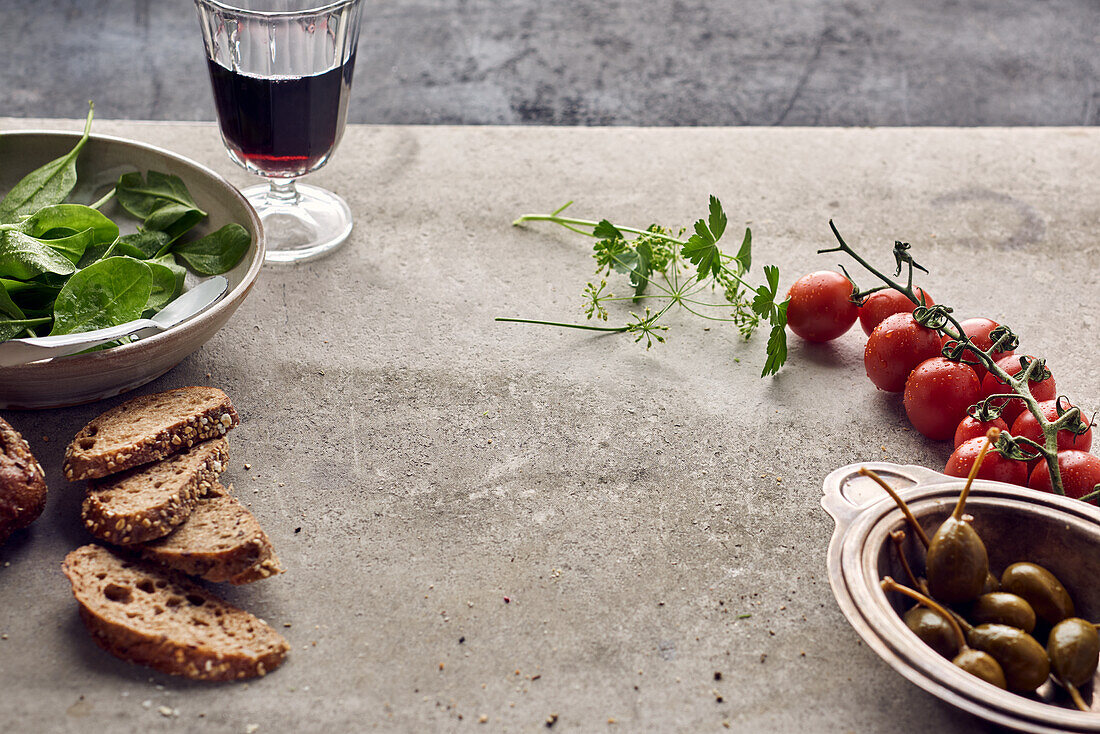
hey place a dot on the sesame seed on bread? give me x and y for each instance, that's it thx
(22, 483)
(148, 428)
(220, 541)
(146, 614)
(150, 501)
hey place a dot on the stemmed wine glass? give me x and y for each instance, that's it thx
(281, 72)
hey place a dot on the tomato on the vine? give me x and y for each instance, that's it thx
(978, 330)
(992, 385)
(881, 304)
(1027, 426)
(821, 307)
(895, 348)
(1080, 474)
(994, 466)
(969, 427)
(937, 395)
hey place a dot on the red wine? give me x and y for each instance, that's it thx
(283, 126)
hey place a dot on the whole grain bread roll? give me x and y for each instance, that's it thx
(22, 483)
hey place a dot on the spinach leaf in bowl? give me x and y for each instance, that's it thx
(22, 257)
(161, 200)
(106, 293)
(168, 279)
(50, 184)
(71, 217)
(217, 252)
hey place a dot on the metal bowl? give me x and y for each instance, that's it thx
(84, 378)
(1016, 524)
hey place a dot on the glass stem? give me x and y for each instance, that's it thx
(283, 192)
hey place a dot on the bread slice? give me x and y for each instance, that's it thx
(221, 541)
(22, 483)
(264, 568)
(149, 615)
(150, 501)
(146, 429)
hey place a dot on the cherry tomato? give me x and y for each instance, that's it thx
(885, 303)
(991, 385)
(994, 466)
(1027, 426)
(1080, 474)
(895, 348)
(821, 307)
(970, 428)
(937, 395)
(978, 331)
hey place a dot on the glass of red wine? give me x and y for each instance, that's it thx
(281, 72)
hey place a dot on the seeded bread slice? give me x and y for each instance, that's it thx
(264, 568)
(146, 429)
(150, 501)
(149, 615)
(220, 541)
(22, 483)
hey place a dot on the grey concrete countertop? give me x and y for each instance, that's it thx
(518, 522)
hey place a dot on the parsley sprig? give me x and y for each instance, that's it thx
(667, 270)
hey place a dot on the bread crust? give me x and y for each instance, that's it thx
(177, 419)
(22, 483)
(171, 641)
(163, 508)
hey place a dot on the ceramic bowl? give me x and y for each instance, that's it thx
(1016, 524)
(85, 378)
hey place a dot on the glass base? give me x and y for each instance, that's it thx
(301, 222)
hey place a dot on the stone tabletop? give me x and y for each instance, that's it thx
(525, 526)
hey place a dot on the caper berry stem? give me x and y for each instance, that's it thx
(1076, 696)
(898, 536)
(864, 471)
(990, 437)
(888, 584)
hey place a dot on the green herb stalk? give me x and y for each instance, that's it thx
(656, 258)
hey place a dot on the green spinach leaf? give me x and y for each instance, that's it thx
(174, 220)
(11, 328)
(31, 295)
(168, 277)
(73, 246)
(7, 306)
(73, 217)
(47, 185)
(148, 244)
(22, 257)
(217, 252)
(106, 293)
(160, 200)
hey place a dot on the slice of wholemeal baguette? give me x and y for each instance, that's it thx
(150, 501)
(146, 429)
(149, 615)
(221, 541)
(265, 568)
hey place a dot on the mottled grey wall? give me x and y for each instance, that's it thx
(584, 62)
